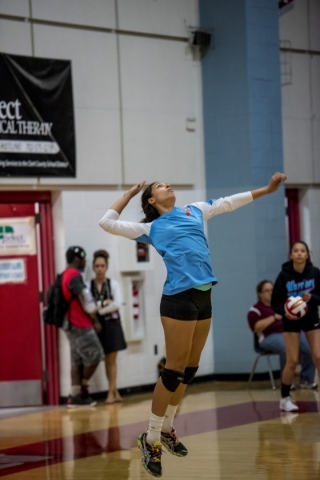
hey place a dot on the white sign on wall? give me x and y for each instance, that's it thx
(12, 271)
(17, 236)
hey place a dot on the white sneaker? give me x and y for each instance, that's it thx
(288, 405)
(309, 386)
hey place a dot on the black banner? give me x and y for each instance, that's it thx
(284, 3)
(37, 137)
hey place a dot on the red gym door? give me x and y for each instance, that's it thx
(293, 215)
(24, 340)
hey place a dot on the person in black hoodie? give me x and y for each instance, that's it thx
(298, 277)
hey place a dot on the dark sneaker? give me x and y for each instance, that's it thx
(151, 455)
(87, 400)
(74, 401)
(173, 444)
(80, 401)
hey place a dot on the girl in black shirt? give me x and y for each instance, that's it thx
(297, 278)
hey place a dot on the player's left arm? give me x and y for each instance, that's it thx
(272, 187)
(232, 202)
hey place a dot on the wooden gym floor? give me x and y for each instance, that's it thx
(232, 432)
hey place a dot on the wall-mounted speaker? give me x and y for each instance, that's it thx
(201, 39)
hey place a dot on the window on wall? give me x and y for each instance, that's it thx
(292, 215)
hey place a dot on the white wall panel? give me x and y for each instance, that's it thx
(156, 75)
(97, 149)
(314, 18)
(301, 99)
(310, 221)
(19, 181)
(15, 37)
(157, 146)
(293, 25)
(315, 96)
(316, 149)
(165, 17)
(160, 84)
(98, 13)
(297, 146)
(98, 146)
(19, 8)
(301, 118)
(96, 99)
(315, 84)
(94, 62)
(296, 97)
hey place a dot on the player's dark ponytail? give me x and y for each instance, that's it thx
(150, 212)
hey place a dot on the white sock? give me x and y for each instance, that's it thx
(154, 429)
(168, 418)
(75, 389)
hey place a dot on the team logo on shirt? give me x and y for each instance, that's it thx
(188, 211)
(298, 288)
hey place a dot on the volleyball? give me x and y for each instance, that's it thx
(296, 307)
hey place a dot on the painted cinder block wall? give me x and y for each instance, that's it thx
(243, 147)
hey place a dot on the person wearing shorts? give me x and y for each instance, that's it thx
(298, 277)
(86, 350)
(178, 236)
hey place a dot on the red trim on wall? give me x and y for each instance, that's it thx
(52, 393)
(292, 195)
(24, 197)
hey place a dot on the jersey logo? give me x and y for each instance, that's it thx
(188, 211)
(298, 288)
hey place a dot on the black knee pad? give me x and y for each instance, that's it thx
(171, 379)
(189, 374)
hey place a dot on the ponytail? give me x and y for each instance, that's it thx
(150, 212)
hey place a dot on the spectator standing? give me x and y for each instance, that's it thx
(107, 294)
(86, 350)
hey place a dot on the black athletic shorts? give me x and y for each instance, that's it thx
(305, 324)
(191, 304)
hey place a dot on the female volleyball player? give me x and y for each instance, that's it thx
(177, 235)
(298, 277)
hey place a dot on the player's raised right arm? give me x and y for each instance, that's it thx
(110, 221)
(120, 204)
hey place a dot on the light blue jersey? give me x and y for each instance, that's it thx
(178, 236)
